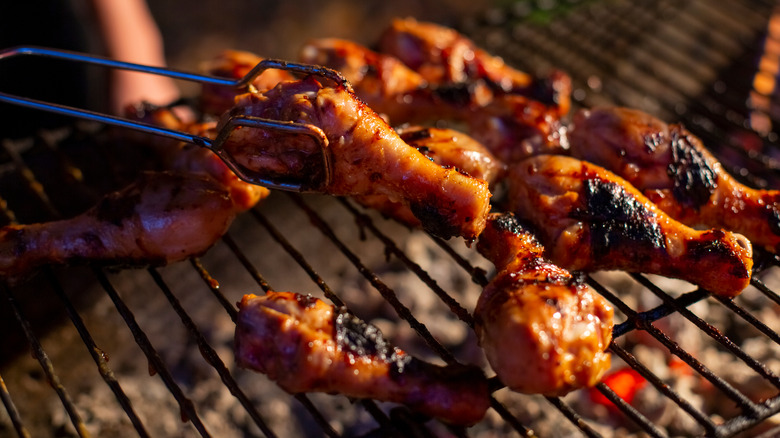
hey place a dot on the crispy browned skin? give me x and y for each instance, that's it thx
(442, 55)
(515, 127)
(306, 345)
(161, 218)
(675, 171)
(445, 147)
(543, 331)
(367, 157)
(391, 88)
(454, 149)
(510, 124)
(590, 219)
(235, 64)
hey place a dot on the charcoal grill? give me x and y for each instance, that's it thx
(155, 343)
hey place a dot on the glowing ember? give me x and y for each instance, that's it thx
(625, 382)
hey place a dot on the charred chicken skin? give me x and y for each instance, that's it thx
(543, 331)
(442, 55)
(445, 147)
(590, 219)
(161, 218)
(512, 126)
(392, 89)
(676, 172)
(367, 156)
(306, 345)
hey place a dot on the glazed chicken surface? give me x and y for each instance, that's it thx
(306, 345)
(591, 219)
(386, 84)
(367, 157)
(676, 172)
(442, 55)
(511, 125)
(445, 147)
(543, 331)
(161, 218)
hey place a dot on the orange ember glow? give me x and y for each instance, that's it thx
(625, 382)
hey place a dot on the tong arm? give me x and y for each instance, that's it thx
(252, 176)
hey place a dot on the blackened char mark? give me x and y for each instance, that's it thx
(544, 90)
(456, 93)
(509, 223)
(711, 245)
(435, 219)
(411, 137)
(362, 339)
(616, 218)
(694, 179)
(116, 208)
(773, 217)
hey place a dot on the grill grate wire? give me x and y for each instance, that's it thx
(752, 412)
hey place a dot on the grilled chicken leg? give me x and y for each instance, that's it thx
(394, 90)
(161, 218)
(511, 125)
(589, 219)
(442, 55)
(445, 147)
(676, 172)
(543, 331)
(306, 345)
(367, 156)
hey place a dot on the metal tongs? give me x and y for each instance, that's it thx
(252, 176)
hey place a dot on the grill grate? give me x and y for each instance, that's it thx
(642, 54)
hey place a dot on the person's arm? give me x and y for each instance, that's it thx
(131, 34)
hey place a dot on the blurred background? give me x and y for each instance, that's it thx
(192, 33)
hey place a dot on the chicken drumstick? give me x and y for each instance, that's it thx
(306, 345)
(589, 219)
(543, 331)
(675, 171)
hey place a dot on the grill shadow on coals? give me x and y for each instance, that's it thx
(108, 352)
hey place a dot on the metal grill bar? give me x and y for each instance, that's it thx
(387, 293)
(47, 366)
(453, 304)
(213, 286)
(98, 356)
(648, 375)
(749, 318)
(713, 333)
(758, 284)
(245, 262)
(511, 419)
(156, 363)
(299, 258)
(210, 355)
(572, 416)
(673, 395)
(13, 413)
